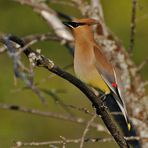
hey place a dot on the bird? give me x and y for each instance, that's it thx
(92, 67)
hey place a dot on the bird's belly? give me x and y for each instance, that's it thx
(90, 75)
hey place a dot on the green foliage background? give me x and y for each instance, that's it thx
(21, 20)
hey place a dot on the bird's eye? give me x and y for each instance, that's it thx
(74, 24)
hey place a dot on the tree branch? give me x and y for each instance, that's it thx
(54, 115)
(74, 141)
(40, 60)
(50, 16)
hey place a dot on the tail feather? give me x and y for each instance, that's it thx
(112, 99)
(120, 119)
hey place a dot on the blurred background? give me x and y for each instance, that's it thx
(21, 20)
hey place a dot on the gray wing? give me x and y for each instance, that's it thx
(109, 75)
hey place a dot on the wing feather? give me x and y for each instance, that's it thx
(109, 75)
(104, 68)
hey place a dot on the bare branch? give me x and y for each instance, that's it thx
(82, 109)
(74, 141)
(133, 26)
(67, 3)
(42, 37)
(51, 115)
(86, 130)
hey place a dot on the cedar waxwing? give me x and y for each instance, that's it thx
(91, 65)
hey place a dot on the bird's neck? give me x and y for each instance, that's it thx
(84, 34)
(84, 42)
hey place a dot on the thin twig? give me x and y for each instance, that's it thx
(139, 68)
(42, 37)
(86, 130)
(86, 111)
(74, 141)
(82, 109)
(54, 115)
(26, 46)
(38, 93)
(67, 3)
(133, 26)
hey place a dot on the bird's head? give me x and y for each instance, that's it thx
(80, 22)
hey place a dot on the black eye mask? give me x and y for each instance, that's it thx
(73, 24)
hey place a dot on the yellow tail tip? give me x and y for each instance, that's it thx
(129, 126)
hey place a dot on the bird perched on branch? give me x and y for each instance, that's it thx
(92, 66)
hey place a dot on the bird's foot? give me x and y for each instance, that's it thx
(103, 97)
